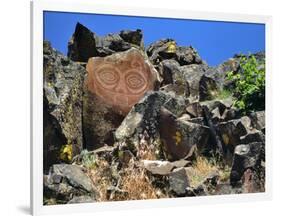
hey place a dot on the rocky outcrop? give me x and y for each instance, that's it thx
(168, 49)
(248, 163)
(180, 138)
(113, 85)
(85, 43)
(65, 181)
(179, 181)
(62, 101)
(145, 123)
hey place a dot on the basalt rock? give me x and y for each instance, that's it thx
(144, 116)
(192, 75)
(231, 132)
(188, 55)
(173, 78)
(179, 181)
(246, 156)
(85, 43)
(65, 181)
(162, 49)
(180, 138)
(121, 80)
(163, 167)
(208, 88)
(112, 87)
(168, 49)
(258, 120)
(62, 106)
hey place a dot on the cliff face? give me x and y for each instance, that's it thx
(159, 118)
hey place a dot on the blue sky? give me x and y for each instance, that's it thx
(214, 41)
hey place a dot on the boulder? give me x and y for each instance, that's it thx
(192, 75)
(112, 86)
(82, 44)
(62, 106)
(158, 167)
(132, 37)
(168, 49)
(144, 116)
(85, 44)
(231, 131)
(246, 156)
(65, 181)
(120, 80)
(258, 120)
(81, 199)
(163, 167)
(188, 55)
(161, 49)
(253, 136)
(99, 122)
(194, 110)
(180, 138)
(208, 88)
(178, 181)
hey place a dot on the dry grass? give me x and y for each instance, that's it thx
(203, 167)
(134, 183)
(138, 186)
(146, 150)
(101, 178)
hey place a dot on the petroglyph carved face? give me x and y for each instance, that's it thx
(120, 80)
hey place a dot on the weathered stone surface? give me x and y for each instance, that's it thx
(258, 120)
(81, 199)
(232, 130)
(168, 49)
(75, 176)
(253, 136)
(208, 88)
(194, 110)
(144, 116)
(163, 167)
(62, 105)
(99, 122)
(85, 43)
(180, 137)
(162, 49)
(246, 156)
(192, 75)
(65, 180)
(121, 80)
(132, 37)
(169, 70)
(158, 167)
(82, 44)
(188, 55)
(179, 181)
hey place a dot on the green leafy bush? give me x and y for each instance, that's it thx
(249, 84)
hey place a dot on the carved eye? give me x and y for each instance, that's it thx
(135, 81)
(107, 76)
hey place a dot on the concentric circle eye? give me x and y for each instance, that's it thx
(107, 76)
(135, 82)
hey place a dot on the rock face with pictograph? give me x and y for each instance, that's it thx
(123, 121)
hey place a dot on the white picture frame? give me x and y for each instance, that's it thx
(83, 6)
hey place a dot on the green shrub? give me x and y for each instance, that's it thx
(249, 84)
